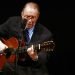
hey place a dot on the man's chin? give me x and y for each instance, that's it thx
(29, 26)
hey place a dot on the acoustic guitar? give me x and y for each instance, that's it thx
(13, 46)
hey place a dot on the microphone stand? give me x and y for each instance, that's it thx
(21, 38)
(16, 57)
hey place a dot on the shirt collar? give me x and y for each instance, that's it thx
(31, 29)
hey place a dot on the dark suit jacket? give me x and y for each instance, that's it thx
(12, 27)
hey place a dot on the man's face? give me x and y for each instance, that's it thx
(31, 15)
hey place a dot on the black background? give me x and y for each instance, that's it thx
(59, 19)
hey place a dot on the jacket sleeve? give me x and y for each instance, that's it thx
(10, 27)
(4, 29)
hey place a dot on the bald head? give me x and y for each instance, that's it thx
(31, 13)
(31, 6)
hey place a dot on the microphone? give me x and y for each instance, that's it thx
(23, 25)
(21, 29)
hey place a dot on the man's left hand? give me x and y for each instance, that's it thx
(32, 53)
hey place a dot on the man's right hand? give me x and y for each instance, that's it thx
(2, 46)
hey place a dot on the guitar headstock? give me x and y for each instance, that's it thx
(46, 46)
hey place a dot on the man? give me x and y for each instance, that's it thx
(30, 62)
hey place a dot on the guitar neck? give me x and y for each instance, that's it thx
(13, 45)
(46, 46)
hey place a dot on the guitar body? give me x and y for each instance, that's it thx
(2, 61)
(11, 43)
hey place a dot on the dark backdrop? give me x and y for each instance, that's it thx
(59, 20)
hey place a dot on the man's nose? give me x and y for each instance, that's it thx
(29, 20)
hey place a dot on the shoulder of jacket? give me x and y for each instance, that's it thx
(14, 18)
(45, 30)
